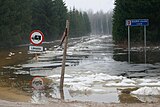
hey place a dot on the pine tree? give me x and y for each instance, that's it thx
(41, 15)
(18, 18)
(136, 9)
(60, 17)
(87, 25)
(79, 23)
(15, 22)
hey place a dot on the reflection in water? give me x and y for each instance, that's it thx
(9, 79)
(127, 98)
(39, 97)
(62, 94)
(137, 56)
(148, 99)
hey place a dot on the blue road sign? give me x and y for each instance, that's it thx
(137, 22)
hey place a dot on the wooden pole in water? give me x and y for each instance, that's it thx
(36, 57)
(64, 59)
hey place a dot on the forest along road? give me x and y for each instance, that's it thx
(96, 71)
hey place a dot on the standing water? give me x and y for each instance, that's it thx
(96, 70)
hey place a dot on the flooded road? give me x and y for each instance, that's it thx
(96, 70)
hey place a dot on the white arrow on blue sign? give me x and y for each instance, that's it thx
(137, 22)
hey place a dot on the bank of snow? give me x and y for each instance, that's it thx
(147, 91)
(87, 81)
(85, 86)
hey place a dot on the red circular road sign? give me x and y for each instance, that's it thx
(36, 37)
(37, 83)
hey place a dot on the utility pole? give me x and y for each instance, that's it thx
(64, 58)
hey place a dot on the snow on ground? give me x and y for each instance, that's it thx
(79, 87)
(149, 91)
(87, 86)
(157, 84)
(121, 84)
(82, 82)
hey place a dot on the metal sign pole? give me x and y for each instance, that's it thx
(145, 56)
(137, 22)
(129, 59)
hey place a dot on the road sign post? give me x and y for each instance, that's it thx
(145, 45)
(129, 47)
(137, 22)
(36, 38)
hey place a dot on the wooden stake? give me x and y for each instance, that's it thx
(36, 57)
(64, 58)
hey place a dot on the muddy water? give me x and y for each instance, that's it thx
(88, 57)
(12, 86)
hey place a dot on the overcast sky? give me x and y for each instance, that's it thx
(95, 5)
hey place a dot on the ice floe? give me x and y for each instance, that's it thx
(79, 87)
(149, 91)
(121, 84)
(42, 64)
(58, 76)
(126, 80)
(157, 84)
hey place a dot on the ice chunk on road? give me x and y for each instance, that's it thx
(126, 80)
(58, 76)
(147, 91)
(98, 90)
(121, 84)
(104, 77)
(157, 84)
(147, 80)
(79, 87)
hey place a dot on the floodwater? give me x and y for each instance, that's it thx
(96, 70)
